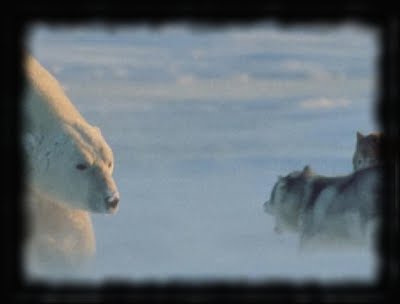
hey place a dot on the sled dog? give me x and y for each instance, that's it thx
(367, 150)
(327, 209)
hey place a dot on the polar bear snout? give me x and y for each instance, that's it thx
(112, 202)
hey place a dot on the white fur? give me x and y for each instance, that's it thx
(57, 141)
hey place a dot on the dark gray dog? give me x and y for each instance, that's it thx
(327, 209)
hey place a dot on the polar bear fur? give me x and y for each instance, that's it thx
(69, 169)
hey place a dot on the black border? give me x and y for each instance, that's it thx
(14, 25)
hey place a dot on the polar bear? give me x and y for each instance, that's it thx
(69, 169)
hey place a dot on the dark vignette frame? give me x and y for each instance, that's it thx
(14, 26)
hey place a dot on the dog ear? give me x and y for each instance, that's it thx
(307, 171)
(359, 136)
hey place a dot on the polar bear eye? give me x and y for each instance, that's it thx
(81, 166)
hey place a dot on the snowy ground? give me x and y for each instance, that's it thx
(201, 124)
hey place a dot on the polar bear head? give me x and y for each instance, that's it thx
(68, 160)
(75, 168)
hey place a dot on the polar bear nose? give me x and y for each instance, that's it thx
(112, 201)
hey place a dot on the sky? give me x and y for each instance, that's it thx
(201, 122)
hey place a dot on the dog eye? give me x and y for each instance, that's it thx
(109, 164)
(81, 166)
